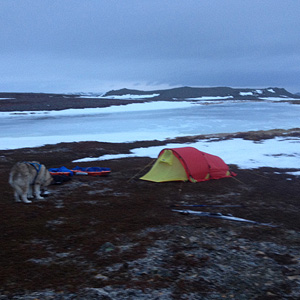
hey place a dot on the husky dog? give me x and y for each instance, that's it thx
(27, 179)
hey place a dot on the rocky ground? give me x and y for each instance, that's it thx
(37, 102)
(116, 237)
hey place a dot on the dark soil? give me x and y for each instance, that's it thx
(37, 102)
(116, 237)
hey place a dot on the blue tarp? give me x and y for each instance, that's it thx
(61, 169)
(91, 169)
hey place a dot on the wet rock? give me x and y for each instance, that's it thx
(94, 294)
(106, 248)
(283, 259)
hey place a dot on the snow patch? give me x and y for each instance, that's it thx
(246, 93)
(209, 98)
(277, 98)
(296, 173)
(148, 121)
(93, 111)
(275, 153)
(130, 97)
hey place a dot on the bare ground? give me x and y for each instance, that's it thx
(116, 237)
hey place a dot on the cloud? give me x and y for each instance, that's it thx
(67, 44)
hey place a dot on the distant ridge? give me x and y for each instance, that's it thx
(195, 92)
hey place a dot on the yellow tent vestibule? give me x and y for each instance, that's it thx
(166, 168)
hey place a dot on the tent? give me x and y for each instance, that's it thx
(187, 163)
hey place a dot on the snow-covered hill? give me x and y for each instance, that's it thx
(191, 93)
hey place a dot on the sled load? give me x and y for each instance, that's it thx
(61, 171)
(92, 171)
(187, 164)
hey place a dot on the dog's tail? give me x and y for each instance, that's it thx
(10, 180)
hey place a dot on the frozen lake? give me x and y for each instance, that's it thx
(155, 120)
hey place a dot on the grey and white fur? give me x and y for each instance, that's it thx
(28, 179)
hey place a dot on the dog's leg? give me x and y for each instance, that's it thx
(20, 194)
(16, 195)
(24, 198)
(24, 194)
(30, 192)
(37, 192)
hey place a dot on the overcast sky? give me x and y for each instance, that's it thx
(99, 45)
